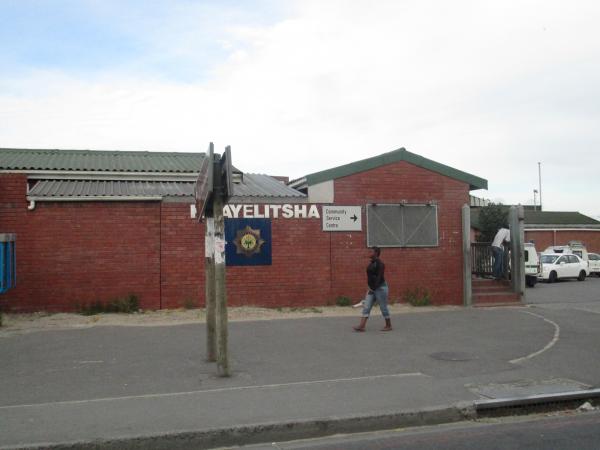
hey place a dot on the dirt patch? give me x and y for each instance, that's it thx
(27, 323)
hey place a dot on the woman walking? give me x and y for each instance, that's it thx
(378, 290)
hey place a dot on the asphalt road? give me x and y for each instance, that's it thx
(579, 431)
(122, 382)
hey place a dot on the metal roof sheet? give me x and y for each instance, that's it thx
(96, 160)
(545, 218)
(259, 185)
(253, 186)
(109, 188)
(558, 218)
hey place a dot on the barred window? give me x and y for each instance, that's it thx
(402, 225)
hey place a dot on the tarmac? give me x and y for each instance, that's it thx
(150, 387)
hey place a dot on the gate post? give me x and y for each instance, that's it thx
(517, 258)
(467, 269)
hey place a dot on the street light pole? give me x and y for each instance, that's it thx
(540, 182)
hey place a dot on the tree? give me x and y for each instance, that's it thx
(491, 219)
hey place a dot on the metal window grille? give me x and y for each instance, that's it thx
(402, 225)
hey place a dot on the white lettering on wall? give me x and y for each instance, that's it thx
(286, 211)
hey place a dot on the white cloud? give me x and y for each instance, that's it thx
(487, 87)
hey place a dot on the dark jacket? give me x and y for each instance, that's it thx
(375, 271)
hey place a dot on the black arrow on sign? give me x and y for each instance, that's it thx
(354, 217)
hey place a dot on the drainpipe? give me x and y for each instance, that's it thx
(31, 205)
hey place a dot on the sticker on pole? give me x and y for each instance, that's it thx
(342, 218)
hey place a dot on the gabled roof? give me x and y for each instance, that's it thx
(395, 156)
(99, 160)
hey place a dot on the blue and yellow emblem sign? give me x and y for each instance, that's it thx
(248, 242)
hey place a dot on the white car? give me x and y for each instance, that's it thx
(556, 266)
(594, 263)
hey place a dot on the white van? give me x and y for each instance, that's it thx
(594, 264)
(533, 267)
(572, 248)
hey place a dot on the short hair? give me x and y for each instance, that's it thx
(377, 250)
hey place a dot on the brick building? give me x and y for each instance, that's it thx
(94, 226)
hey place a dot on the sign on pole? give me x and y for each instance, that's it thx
(204, 184)
(226, 174)
(342, 218)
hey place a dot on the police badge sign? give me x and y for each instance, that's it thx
(248, 242)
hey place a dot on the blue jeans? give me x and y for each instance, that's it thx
(381, 295)
(498, 268)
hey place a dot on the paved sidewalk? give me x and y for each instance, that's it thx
(115, 383)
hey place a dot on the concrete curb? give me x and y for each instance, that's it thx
(271, 432)
(320, 427)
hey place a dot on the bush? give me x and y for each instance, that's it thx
(128, 305)
(188, 303)
(0, 318)
(417, 297)
(343, 301)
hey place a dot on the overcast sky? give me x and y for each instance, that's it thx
(295, 87)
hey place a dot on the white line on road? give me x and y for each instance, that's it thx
(547, 347)
(210, 391)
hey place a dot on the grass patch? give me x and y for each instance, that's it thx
(417, 297)
(312, 309)
(126, 305)
(342, 300)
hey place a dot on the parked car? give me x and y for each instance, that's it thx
(557, 266)
(594, 263)
(532, 265)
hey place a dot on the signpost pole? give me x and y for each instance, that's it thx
(220, 286)
(209, 282)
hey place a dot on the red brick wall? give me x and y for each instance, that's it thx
(70, 254)
(182, 257)
(300, 272)
(438, 269)
(546, 238)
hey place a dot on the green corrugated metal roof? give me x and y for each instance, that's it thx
(99, 160)
(545, 218)
(393, 157)
(256, 186)
(558, 218)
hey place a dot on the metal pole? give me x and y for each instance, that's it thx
(209, 281)
(220, 286)
(466, 235)
(540, 183)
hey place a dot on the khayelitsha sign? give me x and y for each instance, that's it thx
(280, 211)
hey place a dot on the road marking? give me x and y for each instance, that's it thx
(210, 391)
(547, 347)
